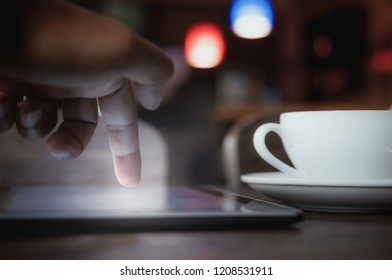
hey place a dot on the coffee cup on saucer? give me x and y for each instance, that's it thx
(332, 145)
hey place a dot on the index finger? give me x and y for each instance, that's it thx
(120, 116)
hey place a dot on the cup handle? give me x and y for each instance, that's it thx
(261, 148)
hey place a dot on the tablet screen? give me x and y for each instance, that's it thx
(58, 201)
(137, 207)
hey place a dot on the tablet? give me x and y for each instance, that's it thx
(98, 209)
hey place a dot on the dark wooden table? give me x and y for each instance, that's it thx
(319, 236)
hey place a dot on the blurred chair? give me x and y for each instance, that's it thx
(238, 153)
(24, 162)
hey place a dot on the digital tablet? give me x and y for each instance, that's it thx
(97, 209)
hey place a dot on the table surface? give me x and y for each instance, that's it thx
(319, 236)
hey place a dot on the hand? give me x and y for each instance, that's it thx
(55, 52)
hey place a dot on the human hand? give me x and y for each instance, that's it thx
(54, 52)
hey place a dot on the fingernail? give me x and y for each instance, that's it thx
(63, 147)
(64, 154)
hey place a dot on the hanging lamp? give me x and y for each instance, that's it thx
(251, 19)
(204, 45)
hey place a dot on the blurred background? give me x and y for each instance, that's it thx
(285, 53)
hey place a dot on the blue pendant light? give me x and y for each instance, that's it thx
(251, 19)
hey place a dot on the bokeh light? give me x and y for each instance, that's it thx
(382, 61)
(251, 19)
(322, 46)
(204, 45)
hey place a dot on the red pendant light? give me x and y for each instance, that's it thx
(204, 45)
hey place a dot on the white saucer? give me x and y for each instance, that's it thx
(324, 195)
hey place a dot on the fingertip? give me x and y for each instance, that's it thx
(31, 119)
(28, 125)
(149, 96)
(29, 114)
(128, 169)
(63, 146)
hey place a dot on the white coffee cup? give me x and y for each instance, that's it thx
(347, 145)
